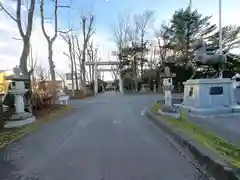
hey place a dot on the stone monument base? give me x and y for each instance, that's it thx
(209, 96)
(209, 111)
(18, 120)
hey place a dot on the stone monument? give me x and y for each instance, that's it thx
(209, 95)
(20, 117)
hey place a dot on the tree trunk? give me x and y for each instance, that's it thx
(83, 69)
(50, 61)
(76, 76)
(73, 89)
(90, 72)
(135, 74)
(74, 63)
(72, 76)
(52, 71)
(81, 79)
(24, 56)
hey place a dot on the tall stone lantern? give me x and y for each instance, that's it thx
(20, 117)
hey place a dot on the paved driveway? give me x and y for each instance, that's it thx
(104, 138)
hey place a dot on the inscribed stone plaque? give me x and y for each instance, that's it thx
(167, 71)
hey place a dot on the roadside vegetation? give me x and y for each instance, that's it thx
(228, 151)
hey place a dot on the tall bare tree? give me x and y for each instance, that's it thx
(121, 37)
(49, 39)
(32, 63)
(79, 56)
(115, 72)
(87, 30)
(163, 51)
(25, 34)
(61, 74)
(141, 24)
(74, 61)
(42, 73)
(121, 31)
(90, 53)
(67, 39)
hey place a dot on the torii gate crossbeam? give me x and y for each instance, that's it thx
(96, 70)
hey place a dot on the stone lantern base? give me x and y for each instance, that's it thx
(20, 119)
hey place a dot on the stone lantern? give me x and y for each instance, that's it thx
(20, 117)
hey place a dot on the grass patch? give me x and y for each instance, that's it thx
(227, 150)
(8, 135)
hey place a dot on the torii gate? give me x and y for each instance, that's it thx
(96, 70)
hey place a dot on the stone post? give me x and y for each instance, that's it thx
(95, 79)
(120, 84)
(167, 86)
(167, 83)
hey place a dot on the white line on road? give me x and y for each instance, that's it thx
(143, 111)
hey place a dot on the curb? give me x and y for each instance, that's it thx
(219, 170)
(41, 121)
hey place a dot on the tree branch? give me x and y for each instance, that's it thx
(30, 18)
(65, 32)
(42, 20)
(55, 21)
(66, 38)
(6, 11)
(66, 55)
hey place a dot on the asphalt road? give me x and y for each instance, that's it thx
(104, 138)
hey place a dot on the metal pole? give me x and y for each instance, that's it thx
(220, 26)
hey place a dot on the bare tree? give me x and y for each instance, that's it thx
(115, 72)
(152, 60)
(74, 61)
(42, 73)
(141, 22)
(67, 39)
(62, 77)
(50, 40)
(121, 37)
(163, 41)
(79, 56)
(121, 31)
(25, 35)
(32, 63)
(88, 30)
(90, 52)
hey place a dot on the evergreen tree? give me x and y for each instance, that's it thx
(230, 39)
(186, 26)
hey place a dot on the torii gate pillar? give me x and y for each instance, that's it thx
(102, 63)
